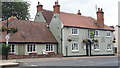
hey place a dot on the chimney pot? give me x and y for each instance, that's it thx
(39, 7)
(79, 12)
(98, 9)
(56, 8)
(38, 3)
(101, 9)
(56, 3)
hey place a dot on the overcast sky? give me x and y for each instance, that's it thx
(87, 8)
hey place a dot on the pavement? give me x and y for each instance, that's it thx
(15, 62)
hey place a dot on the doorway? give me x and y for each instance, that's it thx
(88, 50)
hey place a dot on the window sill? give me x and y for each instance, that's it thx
(96, 49)
(108, 36)
(49, 51)
(109, 49)
(75, 50)
(96, 36)
(32, 52)
(74, 34)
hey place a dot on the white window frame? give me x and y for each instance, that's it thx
(49, 46)
(12, 49)
(108, 32)
(97, 48)
(75, 49)
(109, 48)
(73, 31)
(32, 48)
(95, 33)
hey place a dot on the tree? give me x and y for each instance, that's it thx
(5, 50)
(17, 9)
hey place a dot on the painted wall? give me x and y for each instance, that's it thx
(83, 34)
(39, 17)
(56, 27)
(21, 49)
(103, 42)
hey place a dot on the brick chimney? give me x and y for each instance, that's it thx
(39, 7)
(56, 8)
(100, 18)
(79, 12)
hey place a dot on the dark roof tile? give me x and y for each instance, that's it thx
(29, 31)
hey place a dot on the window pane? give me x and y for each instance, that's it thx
(34, 48)
(46, 47)
(74, 31)
(27, 48)
(51, 47)
(74, 46)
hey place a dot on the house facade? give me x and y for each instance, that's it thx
(32, 38)
(73, 30)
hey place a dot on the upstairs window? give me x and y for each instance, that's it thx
(108, 33)
(49, 47)
(96, 33)
(31, 48)
(75, 47)
(91, 33)
(75, 31)
(12, 48)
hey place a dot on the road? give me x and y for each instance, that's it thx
(71, 62)
(103, 61)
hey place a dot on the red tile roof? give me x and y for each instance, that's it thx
(69, 19)
(47, 15)
(29, 31)
(75, 20)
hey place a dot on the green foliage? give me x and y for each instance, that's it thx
(92, 34)
(10, 29)
(17, 9)
(5, 49)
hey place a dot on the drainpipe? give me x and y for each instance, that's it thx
(62, 40)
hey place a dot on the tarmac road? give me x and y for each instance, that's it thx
(71, 62)
(100, 62)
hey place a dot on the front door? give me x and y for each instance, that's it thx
(88, 50)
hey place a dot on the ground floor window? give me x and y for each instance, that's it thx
(75, 47)
(109, 47)
(12, 48)
(96, 47)
(31, 48)
(49, 47)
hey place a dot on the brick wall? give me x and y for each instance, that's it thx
(12, 56)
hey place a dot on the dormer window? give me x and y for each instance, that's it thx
(75, 31)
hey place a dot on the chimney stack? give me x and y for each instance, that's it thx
(100, 18)
(56, 8)
(79, 12)
(39, 7)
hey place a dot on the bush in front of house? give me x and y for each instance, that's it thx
(5, 50)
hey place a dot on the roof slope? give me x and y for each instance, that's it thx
(75, 20)
(47, 15)
(30, 32)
